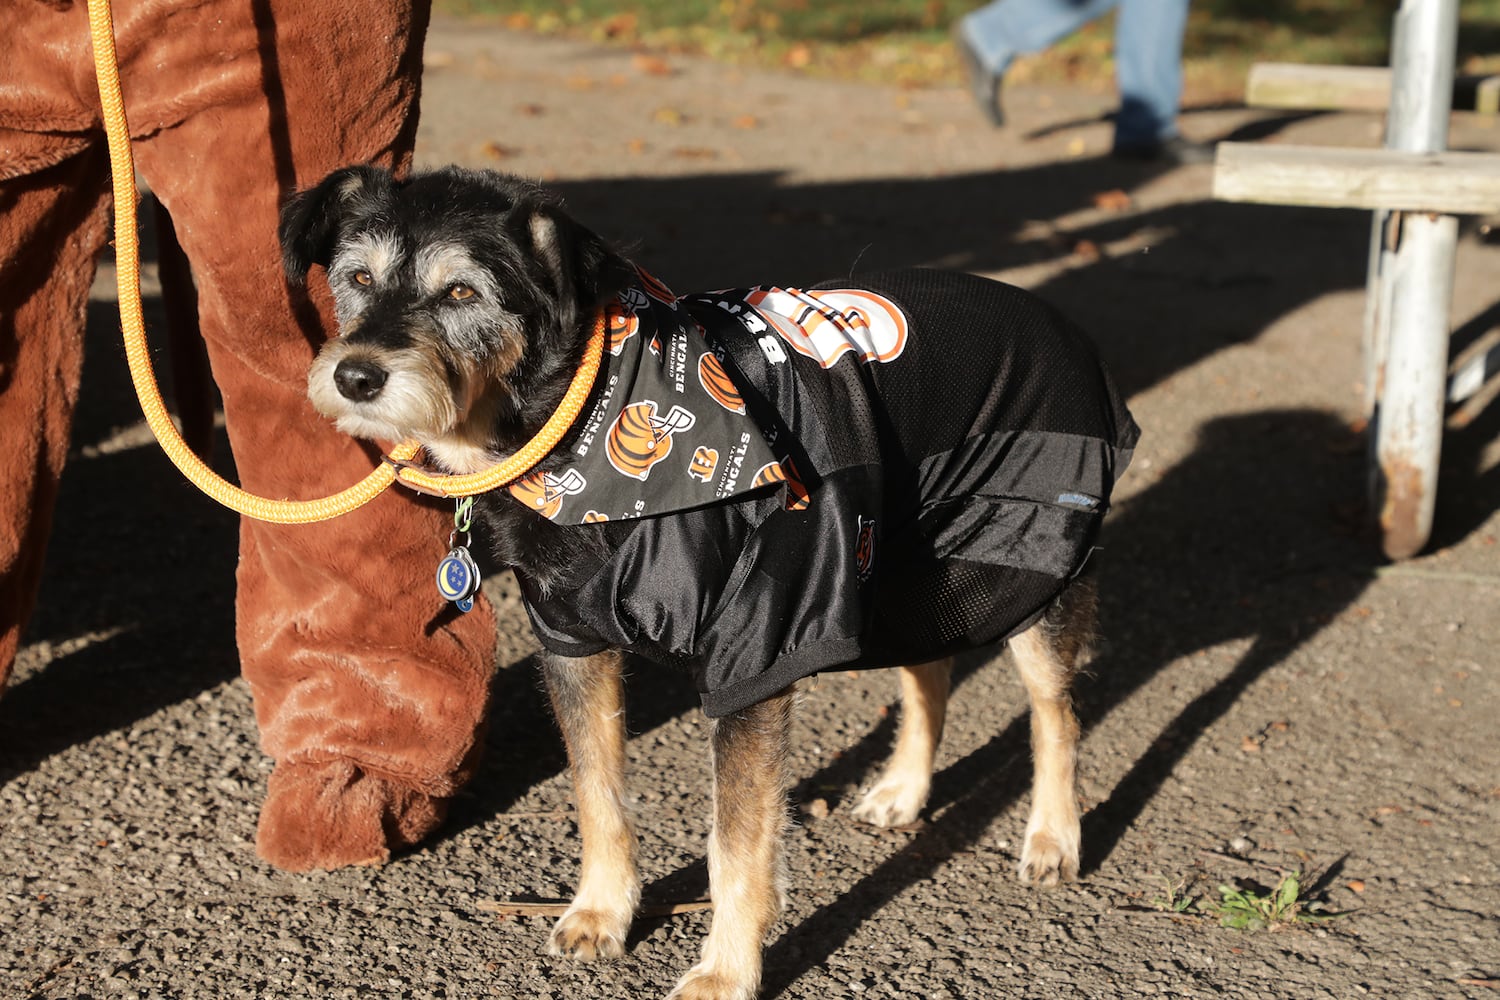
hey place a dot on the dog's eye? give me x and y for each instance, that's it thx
(363, 277)
(461, 292)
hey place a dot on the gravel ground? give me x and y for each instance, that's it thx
(1269, 696)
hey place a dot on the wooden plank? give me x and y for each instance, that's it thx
(1299, 87)
(1446, 183)
(1316, 88)
(1486, 95)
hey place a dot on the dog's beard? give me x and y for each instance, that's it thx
(415, 402)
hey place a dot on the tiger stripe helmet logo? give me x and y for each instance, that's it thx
(716, 382)
(784, 471)
(639, 439)
(826, 324)
(544, 492)
(705, 461)
(622, 324)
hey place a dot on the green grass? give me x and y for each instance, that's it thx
(906, 41)
(1268, 909)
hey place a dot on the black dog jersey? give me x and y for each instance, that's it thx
(933, 454)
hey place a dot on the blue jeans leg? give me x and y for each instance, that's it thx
(1148, 67)
(1007, 28)
(1148, 52)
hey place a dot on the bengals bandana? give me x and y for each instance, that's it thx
(669, 432)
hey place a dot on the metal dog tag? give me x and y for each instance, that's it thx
(458, 578)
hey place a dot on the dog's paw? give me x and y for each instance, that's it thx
(892, 802)
(1048, 859)
(587, 935)
(702, 983)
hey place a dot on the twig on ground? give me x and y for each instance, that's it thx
(556, 908)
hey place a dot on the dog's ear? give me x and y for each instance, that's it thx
(312, 220)
(583, 270)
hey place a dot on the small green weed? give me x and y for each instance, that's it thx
(1177, 899)
(1283, 906)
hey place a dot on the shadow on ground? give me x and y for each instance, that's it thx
(1253, 536)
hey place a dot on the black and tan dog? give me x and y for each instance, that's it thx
(765, 483)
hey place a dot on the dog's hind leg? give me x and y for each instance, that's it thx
(902, 790)
(745, 878)
(589, 701)
(1047, 656)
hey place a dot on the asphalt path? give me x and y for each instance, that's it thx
(1269, 697)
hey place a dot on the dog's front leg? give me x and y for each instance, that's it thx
(750, 750)
(588, 699)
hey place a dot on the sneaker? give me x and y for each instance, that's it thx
(984, 84)
(1176, 151)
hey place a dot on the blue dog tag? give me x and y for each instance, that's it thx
(458, 578)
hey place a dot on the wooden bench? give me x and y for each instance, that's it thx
(1295, 87)
(1449, 183)
(1417, 188)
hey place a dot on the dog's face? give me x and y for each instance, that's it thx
(456, 293)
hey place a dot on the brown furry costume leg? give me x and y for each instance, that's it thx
(52, 226)
(372, 713)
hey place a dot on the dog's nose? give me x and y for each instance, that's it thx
(360, 381)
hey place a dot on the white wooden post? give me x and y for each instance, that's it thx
(1411, 289)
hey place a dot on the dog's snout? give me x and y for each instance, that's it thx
(359, 381)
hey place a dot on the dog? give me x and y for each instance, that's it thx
(764, 483)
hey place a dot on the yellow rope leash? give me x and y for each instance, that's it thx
(132, 321)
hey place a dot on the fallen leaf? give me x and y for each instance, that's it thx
(1357, 885)
(580, 81)
(495, 151)
(519, 21)
(621, 25)
(745, 121)
(668, 116)
(1076, 147)
(1112, 201)
(530, 110)
(1250, 745)
(650, 65)
(799, 56)
(1087, 249)
(636, 146)
(695, 153)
